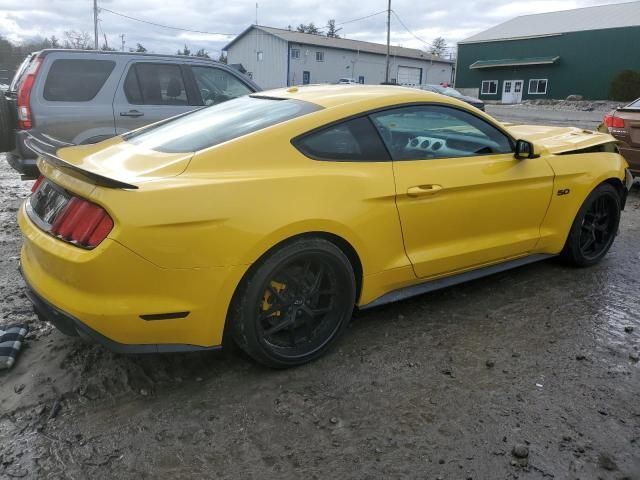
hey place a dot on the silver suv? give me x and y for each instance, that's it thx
(62, 97)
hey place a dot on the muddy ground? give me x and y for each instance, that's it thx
(543, 359)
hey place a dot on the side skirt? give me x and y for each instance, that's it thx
(431, 285)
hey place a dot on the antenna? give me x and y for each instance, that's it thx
(106, 44)
(122, 39)
(386, 75)
(256, 13)
(95, 24)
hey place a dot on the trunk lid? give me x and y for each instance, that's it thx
(559, 139)
(113, 163)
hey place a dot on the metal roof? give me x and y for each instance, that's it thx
(616, 15)
(512, 62)
(342, 43)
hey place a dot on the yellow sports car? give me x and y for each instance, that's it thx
(272, 215)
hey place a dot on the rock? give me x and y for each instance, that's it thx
(19, 388)
(144, 392)
(490, 363)
(628, 329)
(441, 461)
(606, 462)
(520, 451)
(333, 420)
(574, 98)
(634, 357)
(581, 356)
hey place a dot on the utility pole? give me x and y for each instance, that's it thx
(122, 39)
(386, 75)
(95, 24)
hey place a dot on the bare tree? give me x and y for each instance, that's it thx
(438, 47)
(77, 40)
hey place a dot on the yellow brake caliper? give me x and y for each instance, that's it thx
(266, 300)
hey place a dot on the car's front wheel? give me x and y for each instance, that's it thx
(294, 303)
(594, 228)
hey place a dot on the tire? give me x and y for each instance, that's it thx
(293, 304)
(6, 125)
(594, 228)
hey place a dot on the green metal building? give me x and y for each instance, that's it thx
(551, 55)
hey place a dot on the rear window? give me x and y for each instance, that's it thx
(219, 123)
(634, 104)
(76, 80)
(351, 141)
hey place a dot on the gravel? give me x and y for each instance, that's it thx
(409, 392)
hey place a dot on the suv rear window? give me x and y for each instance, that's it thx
(76, 80)
(219, 123)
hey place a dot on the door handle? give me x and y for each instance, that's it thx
(132, 113)
(421, 190)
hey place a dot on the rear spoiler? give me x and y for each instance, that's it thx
(47, 150)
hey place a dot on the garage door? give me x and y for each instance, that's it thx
(409, 75)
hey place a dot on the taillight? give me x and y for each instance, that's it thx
(612, 121)
(37, 183)
(82, 223)
(23, 102)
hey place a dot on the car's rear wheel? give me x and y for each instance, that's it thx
(6, 125)
(594, 228)
(294, 304)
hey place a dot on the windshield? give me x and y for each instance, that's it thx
(219, 123)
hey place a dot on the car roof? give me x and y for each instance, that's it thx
(125, 54)
(335, 95)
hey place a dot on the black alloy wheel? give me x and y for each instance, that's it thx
(594, 228)
(295, 304)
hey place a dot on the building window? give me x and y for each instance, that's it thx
(489, 87)
(295, 53)
(319, 56)
(538, 86)
(260, 55)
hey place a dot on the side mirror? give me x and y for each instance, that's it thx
(525, 149)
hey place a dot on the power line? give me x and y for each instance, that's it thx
(361, 18)
(166, 26)
(428, 44)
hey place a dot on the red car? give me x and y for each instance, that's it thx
(624, 124)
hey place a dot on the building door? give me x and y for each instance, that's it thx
(306, 77)
(409, 75)
(361, 79)
(512, 91)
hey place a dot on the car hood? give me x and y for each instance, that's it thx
(116, 162)
(558, 139)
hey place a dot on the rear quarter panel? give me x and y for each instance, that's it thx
(580, 174)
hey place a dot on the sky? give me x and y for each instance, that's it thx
(424, 20)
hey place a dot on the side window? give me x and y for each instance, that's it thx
(155, 84)
(434, 131)
(76, 80)
(217, 85)
(351, 141)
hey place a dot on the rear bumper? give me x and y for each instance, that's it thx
(71, 326)
(22, 159)
(632, 156)
(116, 298)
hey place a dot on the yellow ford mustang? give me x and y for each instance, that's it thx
(272, 215)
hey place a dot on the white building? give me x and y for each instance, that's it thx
(275, 57)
